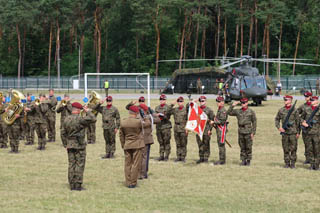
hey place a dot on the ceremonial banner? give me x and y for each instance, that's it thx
(197, 119)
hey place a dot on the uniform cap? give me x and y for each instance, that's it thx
(202, 98)
(287, 97)
(134, 109)
(313, 98)
(307, 94)
(144, 107)
(244, 100)
(163, 97)
(77, 105)
(180, 99)
(219, 99)
(142, 99)
(109, 98)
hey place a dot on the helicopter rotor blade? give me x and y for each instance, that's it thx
(285, 59)
(287, 62)
(175, 60)
(232, 63)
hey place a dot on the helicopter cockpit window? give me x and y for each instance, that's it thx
(235, 83)
(247, 82)
(261, 82)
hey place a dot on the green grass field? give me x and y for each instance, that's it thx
(36, 181)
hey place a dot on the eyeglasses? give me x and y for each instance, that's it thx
(180, 101)
(202, 101)
(243, 102)
(109, 100)
(218, 101)
(161, 99)
(141, 101)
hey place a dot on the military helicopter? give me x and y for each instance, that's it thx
(241, 81)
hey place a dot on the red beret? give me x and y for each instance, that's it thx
(109, 98)
(202, 98)
(142, 99)
(288, 97)
(163, 97)
(77, 105)
(180, 99)
(244, 100)
(144, 107)
(314, 98)
(307, 94)
(219, 99)
(134, 108)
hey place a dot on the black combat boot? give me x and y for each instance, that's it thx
(78, 187)
(183, 160)
(219, 162)
(312, 167)
(111, 155)
(166, 158)
(248, 163)
(200, 160)
(243, 163)
(161, 158)
(306, 162)
(177, 159)
(287, 165)
(106, 156)
(72, 187)
(293, 165)
(205, 161)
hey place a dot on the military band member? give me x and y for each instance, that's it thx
(91, 130)
(291, 134)
(247, 124)
(29, 124)
(74, 131)
(110, 125)
(164, 128)
(3, 126)
(51, 116)
(312, 131)
(180, 115)
(65, 108)
(220, 124)
(301, 109)
(204, 144)
(14, 132)
(132, 142)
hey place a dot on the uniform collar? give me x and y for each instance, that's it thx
(180, 107)
(287, 107)
(162, 105)
(109, 106)
(203, 106)
(244, 109)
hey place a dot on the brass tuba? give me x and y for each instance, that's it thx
(94, 100)
(1, 97)
(14, 108)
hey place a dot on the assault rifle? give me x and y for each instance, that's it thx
(286, 124)
(310, 120)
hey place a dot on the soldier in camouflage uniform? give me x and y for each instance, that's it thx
(74, 131)
(204, 144)
(312, 132)
(65, 109)
(180, 115)
(40, 111)
(14, 132)
(3, 126)
(164, 128)
(301, 109)
(291, 134)
(247, 124)
(219, 122)
(29, 125)
(110, 125)
(51, 116)
(91, 130)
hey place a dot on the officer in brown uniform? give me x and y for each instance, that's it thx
(247, 125)
(311, 127)
(132, 142)
(290, 133)
(65, 108)
(164, 128)
(29, 125)
(180, 115)
(302, 108)
(110, 125)
(51, 116)
(204, 144)
(74, 131)
(220, 123)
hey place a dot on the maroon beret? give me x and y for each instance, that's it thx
(142, 99)
(314, 98)
(163, 97)
(307, 94)
(244, 100)
(109, 98)
(134, 109)
(219, 99)
(77, 105)
(180, 99)
(202, 98)
(288, 97)
(144, 107)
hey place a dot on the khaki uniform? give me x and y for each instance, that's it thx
(164, 131)
(312, 137)
(204, 144)
(289, 139)
(40, 123)
(180, 116)
(307, 146)
(65, 111)
(73, 131)
(247, 125)
(30, 125)
(110, 122)
(51, 118)
(132, 142)
(221, 120)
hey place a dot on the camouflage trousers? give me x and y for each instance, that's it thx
(22, 134)
(63, 139)
(14, 134)
(314, 148)
(3, 135)
(204, 146)
(307, 147)
(51, 127)
(221, 146)
(144, 161)
(132, 165)
(181, 139)
(110, 139)
(164, 137)
(41, 133)
(289, 146)
(77, 162)
(245, 143)
(30, 129)
(91, 133)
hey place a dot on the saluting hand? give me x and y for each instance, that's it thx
(252, 136)
(17, 115)
(281, 129)
(304, 123)
(297, 136)
(115, 130)
(235, 103)
(103, 100)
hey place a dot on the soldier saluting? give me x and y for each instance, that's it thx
(290, 130)
(247, 124)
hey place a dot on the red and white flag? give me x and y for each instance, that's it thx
(197, 119)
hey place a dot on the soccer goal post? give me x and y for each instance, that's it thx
(124, 75)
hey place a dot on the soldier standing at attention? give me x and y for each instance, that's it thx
(91, 130)
(164, 128)
(291, 134)
(74, 131)
(180, 116)
(247, 124)
(29, 125)
(132, 142)
(300, 110)
(220, 124)
(204, 144)
(199, 86)
(51, 116)
(65, 108)
(110, 125)
(312, 131)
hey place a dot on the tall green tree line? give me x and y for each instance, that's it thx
(45, 37)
